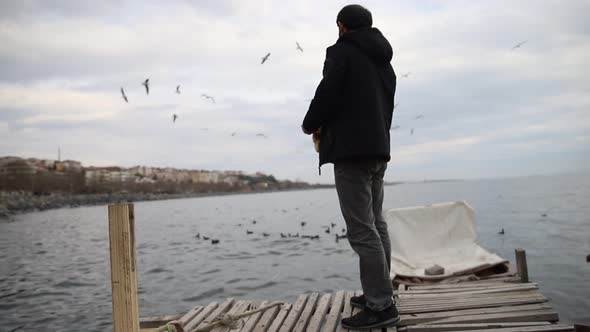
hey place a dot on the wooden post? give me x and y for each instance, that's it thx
(521, 265)
(123, 271)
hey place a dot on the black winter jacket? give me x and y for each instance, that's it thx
(353, 104)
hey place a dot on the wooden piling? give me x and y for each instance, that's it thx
(521, 265)
(123, 268)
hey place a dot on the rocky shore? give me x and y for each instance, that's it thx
(12, 203)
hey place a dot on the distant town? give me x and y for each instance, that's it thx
(43, 176)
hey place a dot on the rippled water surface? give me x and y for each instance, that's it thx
(54, 265)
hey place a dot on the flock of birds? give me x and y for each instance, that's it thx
(328, 229)
(264, 59)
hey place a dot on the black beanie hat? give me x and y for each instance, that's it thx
(355, 17)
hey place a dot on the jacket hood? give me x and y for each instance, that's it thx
(371, 42)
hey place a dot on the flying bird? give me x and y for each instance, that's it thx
(412, 131)
(206, 96)
(261, 135)
(418, 117)
(146, 83)
(518, 45)
(174, 117)
(394, 127)
(232, 135)
(178, 89)
(124, 96)
(406, 75)
(298, 47)
(264, 58)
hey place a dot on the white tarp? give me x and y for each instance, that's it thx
(443, 234)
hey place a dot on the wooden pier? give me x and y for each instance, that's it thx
(502, 305)
(505, 304)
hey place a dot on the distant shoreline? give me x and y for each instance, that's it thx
(15, 203)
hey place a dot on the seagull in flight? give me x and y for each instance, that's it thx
(178, 89)
(518, 45)
(206, 96)
(124, 96)
(394, 127)
(146, 83)
(406, 75)
(299, 47)
(232, 135)
(264, 58)
(174, 117)
(412, 131)
(418, 117)
(261, 135)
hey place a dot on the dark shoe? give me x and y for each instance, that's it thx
(369, 319)
(358, 301)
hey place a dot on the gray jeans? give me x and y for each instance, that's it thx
(360, 191)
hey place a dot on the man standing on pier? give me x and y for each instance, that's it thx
(351, 113)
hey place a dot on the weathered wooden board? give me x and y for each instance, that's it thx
(281, 316)
(471, 327)
(266, 319)
(525, 316)
(333, 317)
(294, 314)
(307, 312)
(251, 321)
(432, 316)
(347, 309)
(315, 323)
(157, 321)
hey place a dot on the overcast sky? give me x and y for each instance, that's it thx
(488, 110)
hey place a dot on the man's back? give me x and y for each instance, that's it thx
(354, 102)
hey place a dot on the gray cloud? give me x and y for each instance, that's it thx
(485, 106)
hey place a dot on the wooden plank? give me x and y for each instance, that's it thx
(498, 303)
(156, 321)
(252, 320)
(546, 328)
(467, 287)
(320, 313)
(245, 307)
(266, 320)
(123, 268)
(431, 316)
(307, 312)
(466, 292)
(204, 314)
(190, 315)
(295, 313)
(281, 316)
(223, 308)
(521, 265)
(470, 327)
(440, 298)
(238, 308)
(526, 316)
(334, 314)
(474, 298)
(501, 281)
(347, 310)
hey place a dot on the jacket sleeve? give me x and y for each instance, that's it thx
(324, 105)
